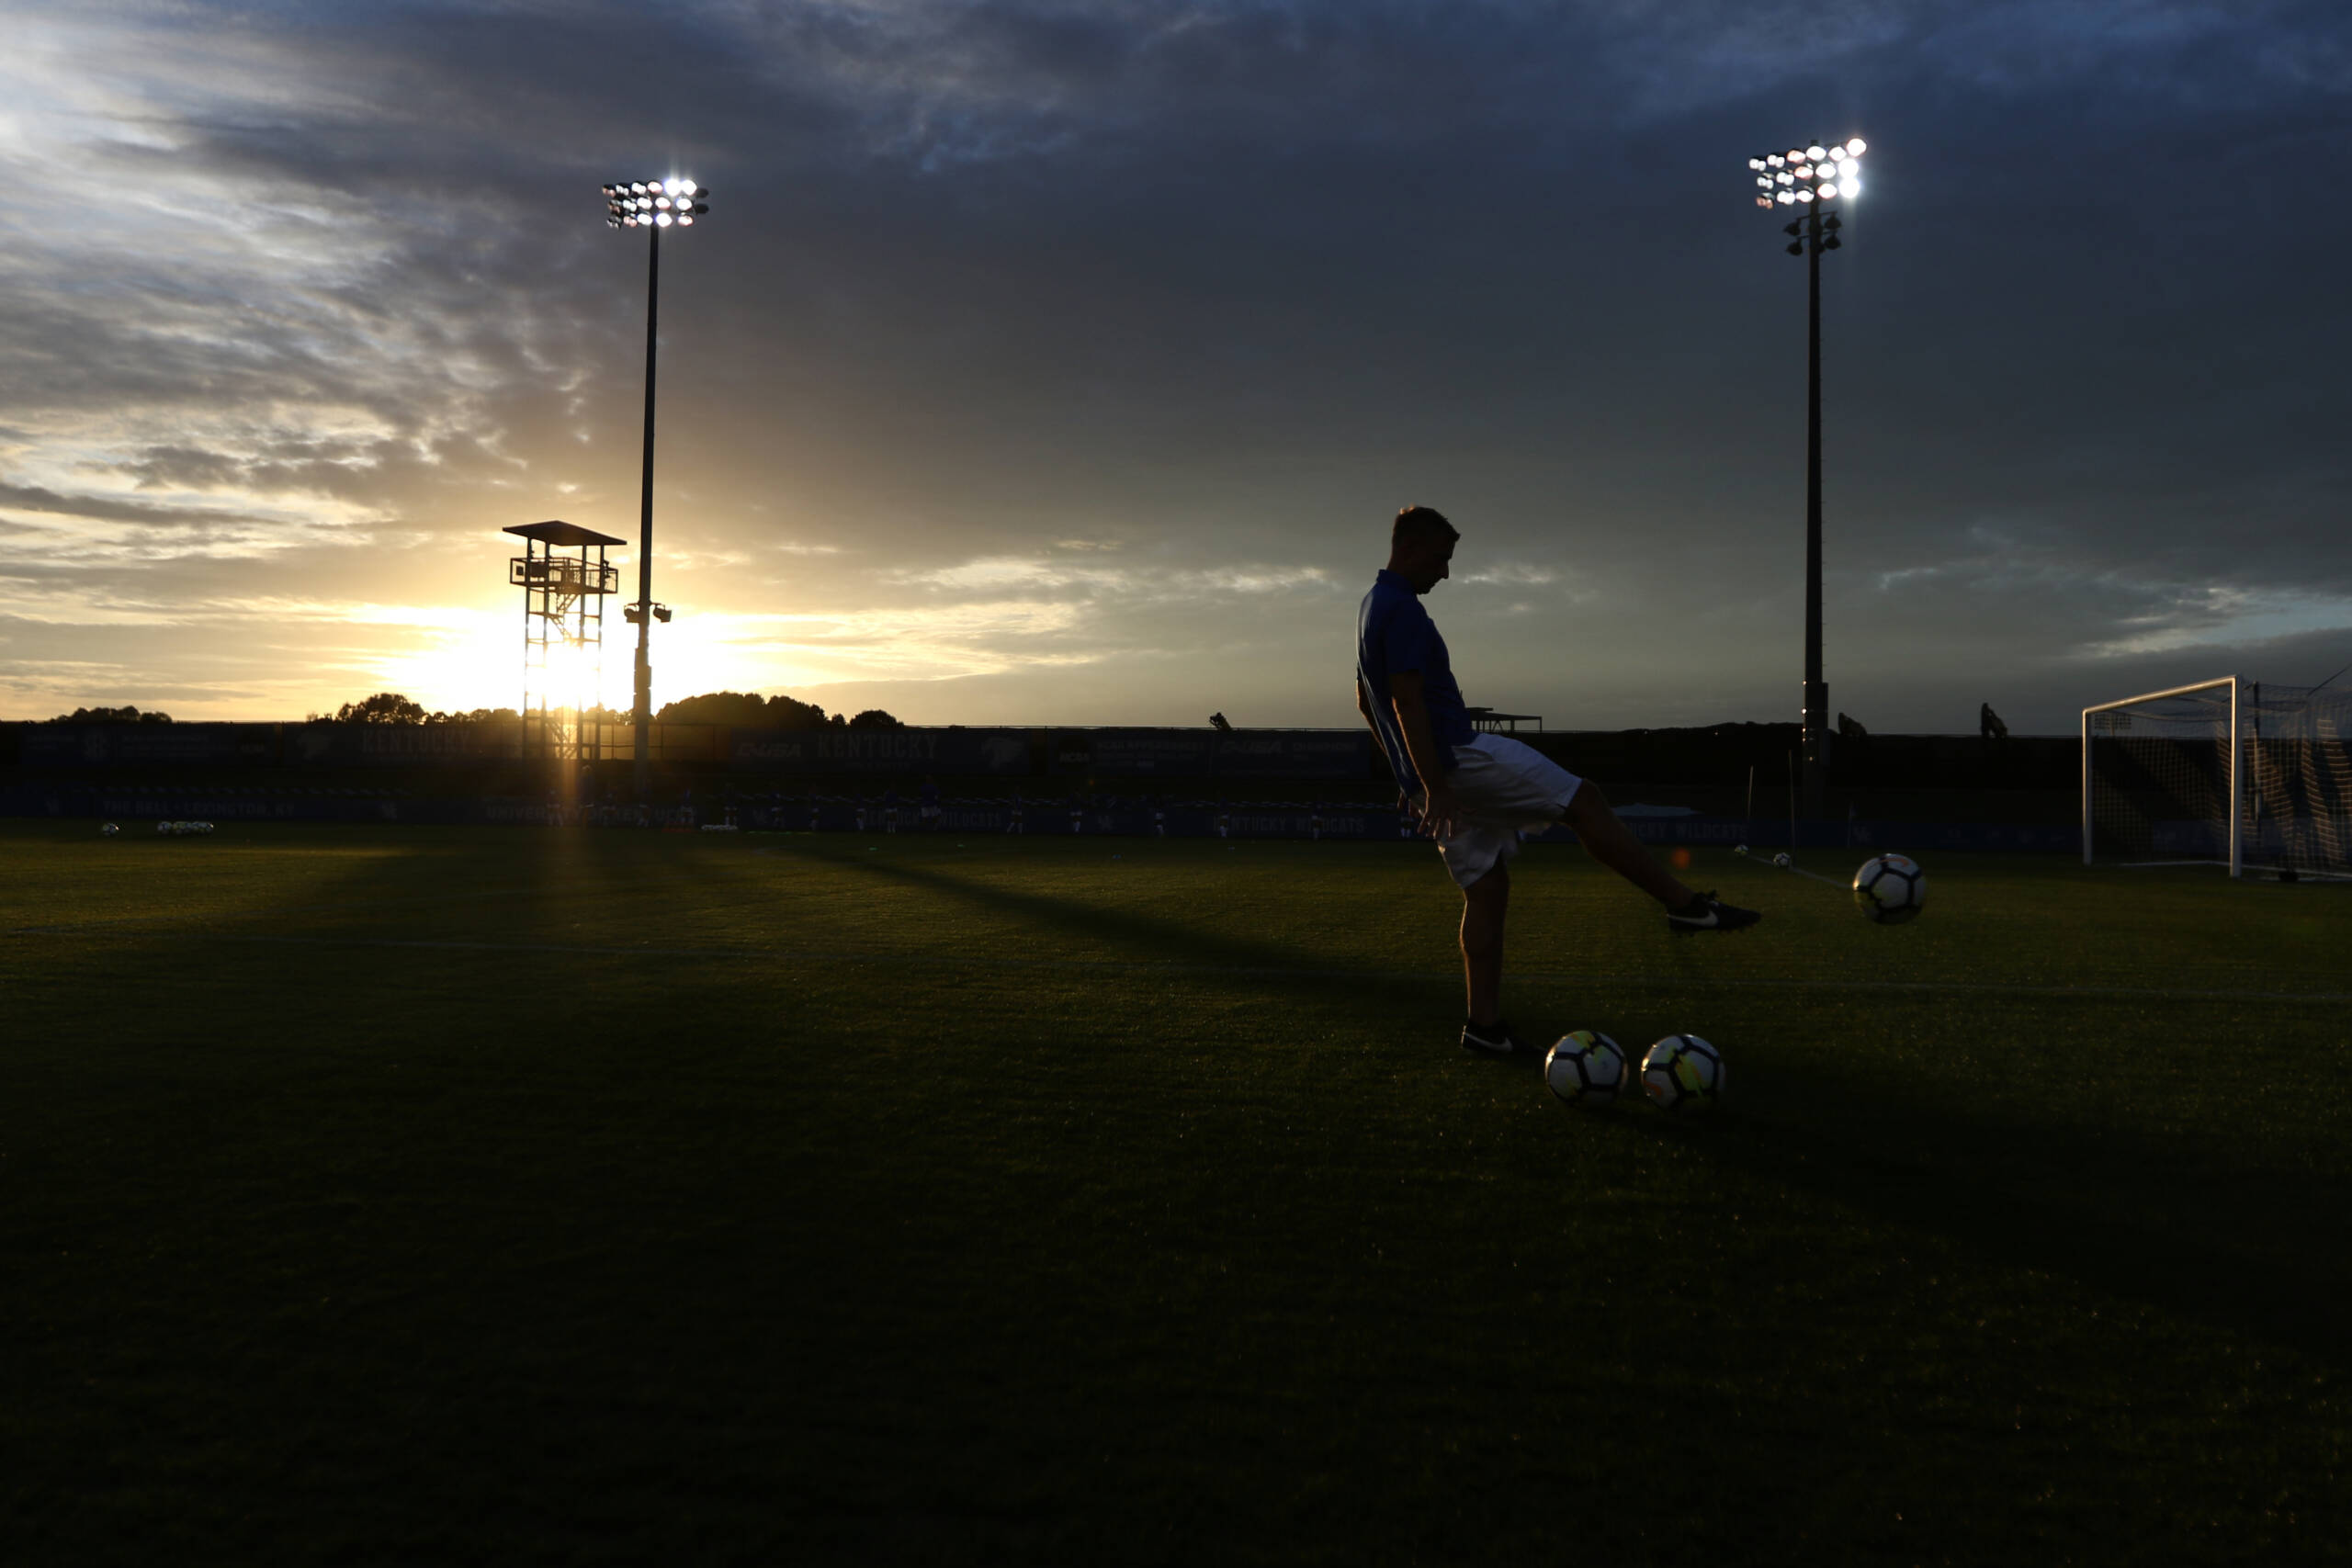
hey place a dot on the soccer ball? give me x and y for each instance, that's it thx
(108, 831)
(1891, 889)
(1782, 859)
(1683, 1072)
(1585, 1068)
(163, 828)
(204, 827)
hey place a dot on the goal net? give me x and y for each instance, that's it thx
(2299, 779)
(2225, 773)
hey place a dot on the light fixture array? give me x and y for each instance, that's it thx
(654, 204)
(1805, 175)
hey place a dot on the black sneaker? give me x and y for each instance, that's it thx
(1492, 1039)
(1705, 912)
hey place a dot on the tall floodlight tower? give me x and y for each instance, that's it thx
(652, 206)
(1809, 180)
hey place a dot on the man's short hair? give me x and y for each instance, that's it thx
(1418, 523)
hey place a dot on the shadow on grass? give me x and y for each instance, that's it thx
(2257, 1251)
(607, 1247)
(1271, 965)
(2260, 1251)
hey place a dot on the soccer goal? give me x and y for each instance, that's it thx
(2225, 773)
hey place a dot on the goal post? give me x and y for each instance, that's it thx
(2227, 771)
(2163, 778)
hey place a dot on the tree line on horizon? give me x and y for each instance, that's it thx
(124, 715)
(742, 710)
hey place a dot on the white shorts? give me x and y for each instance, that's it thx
(1502, 788)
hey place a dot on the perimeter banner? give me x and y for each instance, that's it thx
(1178, 753)
(1294, 754)
(95, 745)
(949, 750)
(1209, 754)
(331, 745)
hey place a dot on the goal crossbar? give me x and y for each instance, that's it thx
(2236, 747)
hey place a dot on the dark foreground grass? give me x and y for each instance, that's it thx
(421, 1196)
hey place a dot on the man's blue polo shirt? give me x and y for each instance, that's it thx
(1395, 633)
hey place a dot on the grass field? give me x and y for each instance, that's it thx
(432, 1196)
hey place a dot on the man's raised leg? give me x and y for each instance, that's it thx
(1607, 839)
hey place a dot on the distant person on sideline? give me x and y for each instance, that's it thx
(1478, 792)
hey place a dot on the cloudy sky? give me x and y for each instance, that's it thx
(1063, 360)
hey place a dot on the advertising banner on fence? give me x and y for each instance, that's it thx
(1208, 753)
(90, 745)
(947, 750)
(1294, 754)
(400, 745)
(1178, 754)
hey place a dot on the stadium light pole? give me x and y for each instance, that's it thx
(652, 206)
(1808, 180)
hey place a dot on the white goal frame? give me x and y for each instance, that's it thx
(2236, 862)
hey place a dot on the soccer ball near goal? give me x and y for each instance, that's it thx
(1891, 889)
(1683, 1073)
(1585, 1068)
(108, 831)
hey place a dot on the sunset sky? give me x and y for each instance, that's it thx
(1063, 362)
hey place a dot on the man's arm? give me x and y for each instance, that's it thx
(1364, 707)
(1413, 720)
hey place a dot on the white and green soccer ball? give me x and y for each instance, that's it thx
(1891, 889)
(109, 831)
(166, 829)
(1683, 1074)
(1585, 1068)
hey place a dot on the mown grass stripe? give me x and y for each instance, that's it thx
(1155, 966)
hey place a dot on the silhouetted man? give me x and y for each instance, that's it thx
(1478, 792)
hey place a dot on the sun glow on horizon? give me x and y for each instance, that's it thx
(478, 664)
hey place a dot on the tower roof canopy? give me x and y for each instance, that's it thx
(562, 534)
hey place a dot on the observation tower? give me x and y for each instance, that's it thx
(564, 578)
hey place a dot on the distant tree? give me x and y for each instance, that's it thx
(125, 715)
(745, 709)
(748, 710)
(875, 718)
(790, 713)
(384, 707)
